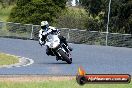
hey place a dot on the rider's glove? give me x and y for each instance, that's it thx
(41, 43)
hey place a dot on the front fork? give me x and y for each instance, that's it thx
(66, 50)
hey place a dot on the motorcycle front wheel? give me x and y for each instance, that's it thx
(65, 57)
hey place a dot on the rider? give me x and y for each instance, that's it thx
(45, 30)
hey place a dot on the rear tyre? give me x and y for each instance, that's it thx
(65, 57)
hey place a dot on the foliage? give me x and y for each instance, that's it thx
(6, 3)
(34, 11)
(22, 2)
(93, 6)
(120, 16)
(5, 12)
(60, 3)
(73, 17)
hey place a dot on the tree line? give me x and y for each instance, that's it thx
(5, 3)
(34, 11)
(120, 16)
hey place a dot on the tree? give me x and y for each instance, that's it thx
(2, 3)
(120, 16)
(7, 2)
(92, 6)
(60, 3)
(22, 2)
(34, 11)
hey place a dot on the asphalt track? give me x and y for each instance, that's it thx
(94, 59)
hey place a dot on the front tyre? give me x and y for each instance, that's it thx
(65, 57)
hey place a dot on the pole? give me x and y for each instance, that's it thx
(107, 30)
(31, 33)
(68, 35)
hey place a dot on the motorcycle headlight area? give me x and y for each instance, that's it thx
(53, 45)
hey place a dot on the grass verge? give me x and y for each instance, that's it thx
(6, 59)
(52, 82)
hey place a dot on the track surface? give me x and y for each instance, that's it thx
(94, 59)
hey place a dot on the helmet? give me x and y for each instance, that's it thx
(44, 25)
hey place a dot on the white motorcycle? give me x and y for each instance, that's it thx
(60, 50)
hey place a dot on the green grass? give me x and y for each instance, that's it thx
(59, 84)
(7, 59)
(5, 12)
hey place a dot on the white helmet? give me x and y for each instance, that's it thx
(44, 25)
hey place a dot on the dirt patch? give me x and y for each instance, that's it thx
(34, 78)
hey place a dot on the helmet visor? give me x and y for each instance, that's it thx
(44, 27)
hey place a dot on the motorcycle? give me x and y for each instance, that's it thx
(58, 48)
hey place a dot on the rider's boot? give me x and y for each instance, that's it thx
(70, 48)
(58, 58)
